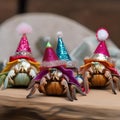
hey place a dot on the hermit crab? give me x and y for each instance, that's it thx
(18, 73)
(22, 67)
(99, 70)
(54, 79)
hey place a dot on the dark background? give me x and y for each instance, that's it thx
(91, 13)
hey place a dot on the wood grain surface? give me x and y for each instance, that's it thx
(97, 105)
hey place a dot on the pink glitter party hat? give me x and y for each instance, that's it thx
(23, 45)
(101, 51)
(23, 50)
(50, 59)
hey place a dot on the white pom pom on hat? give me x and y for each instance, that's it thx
(60, 34)
(102, 34)
(24, 28)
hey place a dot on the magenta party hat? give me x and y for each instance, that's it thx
(50, 59)
(101, 51)
(23, 50)
(23, 45)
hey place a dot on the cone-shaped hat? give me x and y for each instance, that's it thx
(101, 51)
(23, 45)
(23, 50)
(50, 59)
(62, 52)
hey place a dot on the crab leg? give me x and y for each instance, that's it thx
(65, 84)
(109, 76)
(117, 81)
(10, 74)
(34, 88)
(79, 90)
(2, 78)
(73, 92)
(85, 82)
(43, 82)
(118, 84)
(31, 84)
(113, 87)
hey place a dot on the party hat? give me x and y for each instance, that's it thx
(101, 51)
(23, 50)
(50, 59)
(62, 52)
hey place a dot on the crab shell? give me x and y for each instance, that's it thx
(54, 88)
(19, 73)
(98, 81)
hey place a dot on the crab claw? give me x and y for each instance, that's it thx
(10, 74)
(32, 73)
(6, 83)
(2, 78)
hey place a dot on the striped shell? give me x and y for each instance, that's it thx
(54, 88)
(22, 79)
(98, 80)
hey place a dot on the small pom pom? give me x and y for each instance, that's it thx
(24, 28)
(102, 34)
(59, 34)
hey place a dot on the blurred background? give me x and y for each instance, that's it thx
(91, 13)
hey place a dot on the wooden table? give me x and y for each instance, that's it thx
(97, 105)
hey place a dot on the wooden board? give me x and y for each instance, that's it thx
(98, 104)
